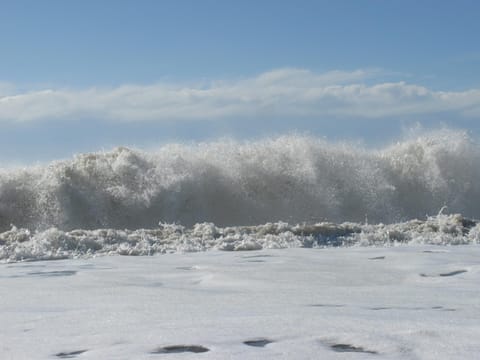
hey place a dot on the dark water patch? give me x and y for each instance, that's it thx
(256, 261)
(377, 258)
(453, 273)
(327, 305)
(176, 349)
(351, 348)
(70, 354)
(258, 342)
(467, 225)
(53, 273)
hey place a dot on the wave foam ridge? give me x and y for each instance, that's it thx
(21, 245)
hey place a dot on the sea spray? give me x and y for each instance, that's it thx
(294, 179)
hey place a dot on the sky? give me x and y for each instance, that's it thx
(79, 76)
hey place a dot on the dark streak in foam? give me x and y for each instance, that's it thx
(70, 354)
(377, 258)
(44, 274)
(328, 305)
(351, 348)
(443, 308)
(406, 308)
(453, 273)
(53, 273)
(258, 342)
(176, 349)
(412, 308)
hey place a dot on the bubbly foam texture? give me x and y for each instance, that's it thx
(20, 244)
(292, 178)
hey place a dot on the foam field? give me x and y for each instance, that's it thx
(405, 302)
(53, 244)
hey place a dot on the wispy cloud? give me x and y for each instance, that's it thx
(278, 93)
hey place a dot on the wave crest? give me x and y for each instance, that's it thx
(291, 178)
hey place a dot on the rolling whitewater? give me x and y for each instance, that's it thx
(288, 191)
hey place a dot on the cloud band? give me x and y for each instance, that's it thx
(278, 93)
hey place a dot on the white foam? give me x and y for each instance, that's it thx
(412, 302)
(290, 178)
(20, 244)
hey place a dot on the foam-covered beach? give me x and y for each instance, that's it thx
(407, 302)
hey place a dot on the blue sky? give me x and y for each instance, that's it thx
(89, 75)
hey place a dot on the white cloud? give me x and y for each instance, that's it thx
(283, 92)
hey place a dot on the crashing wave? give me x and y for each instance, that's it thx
(292, 179)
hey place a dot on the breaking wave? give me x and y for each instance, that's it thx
(118, 198)
(291, 178)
